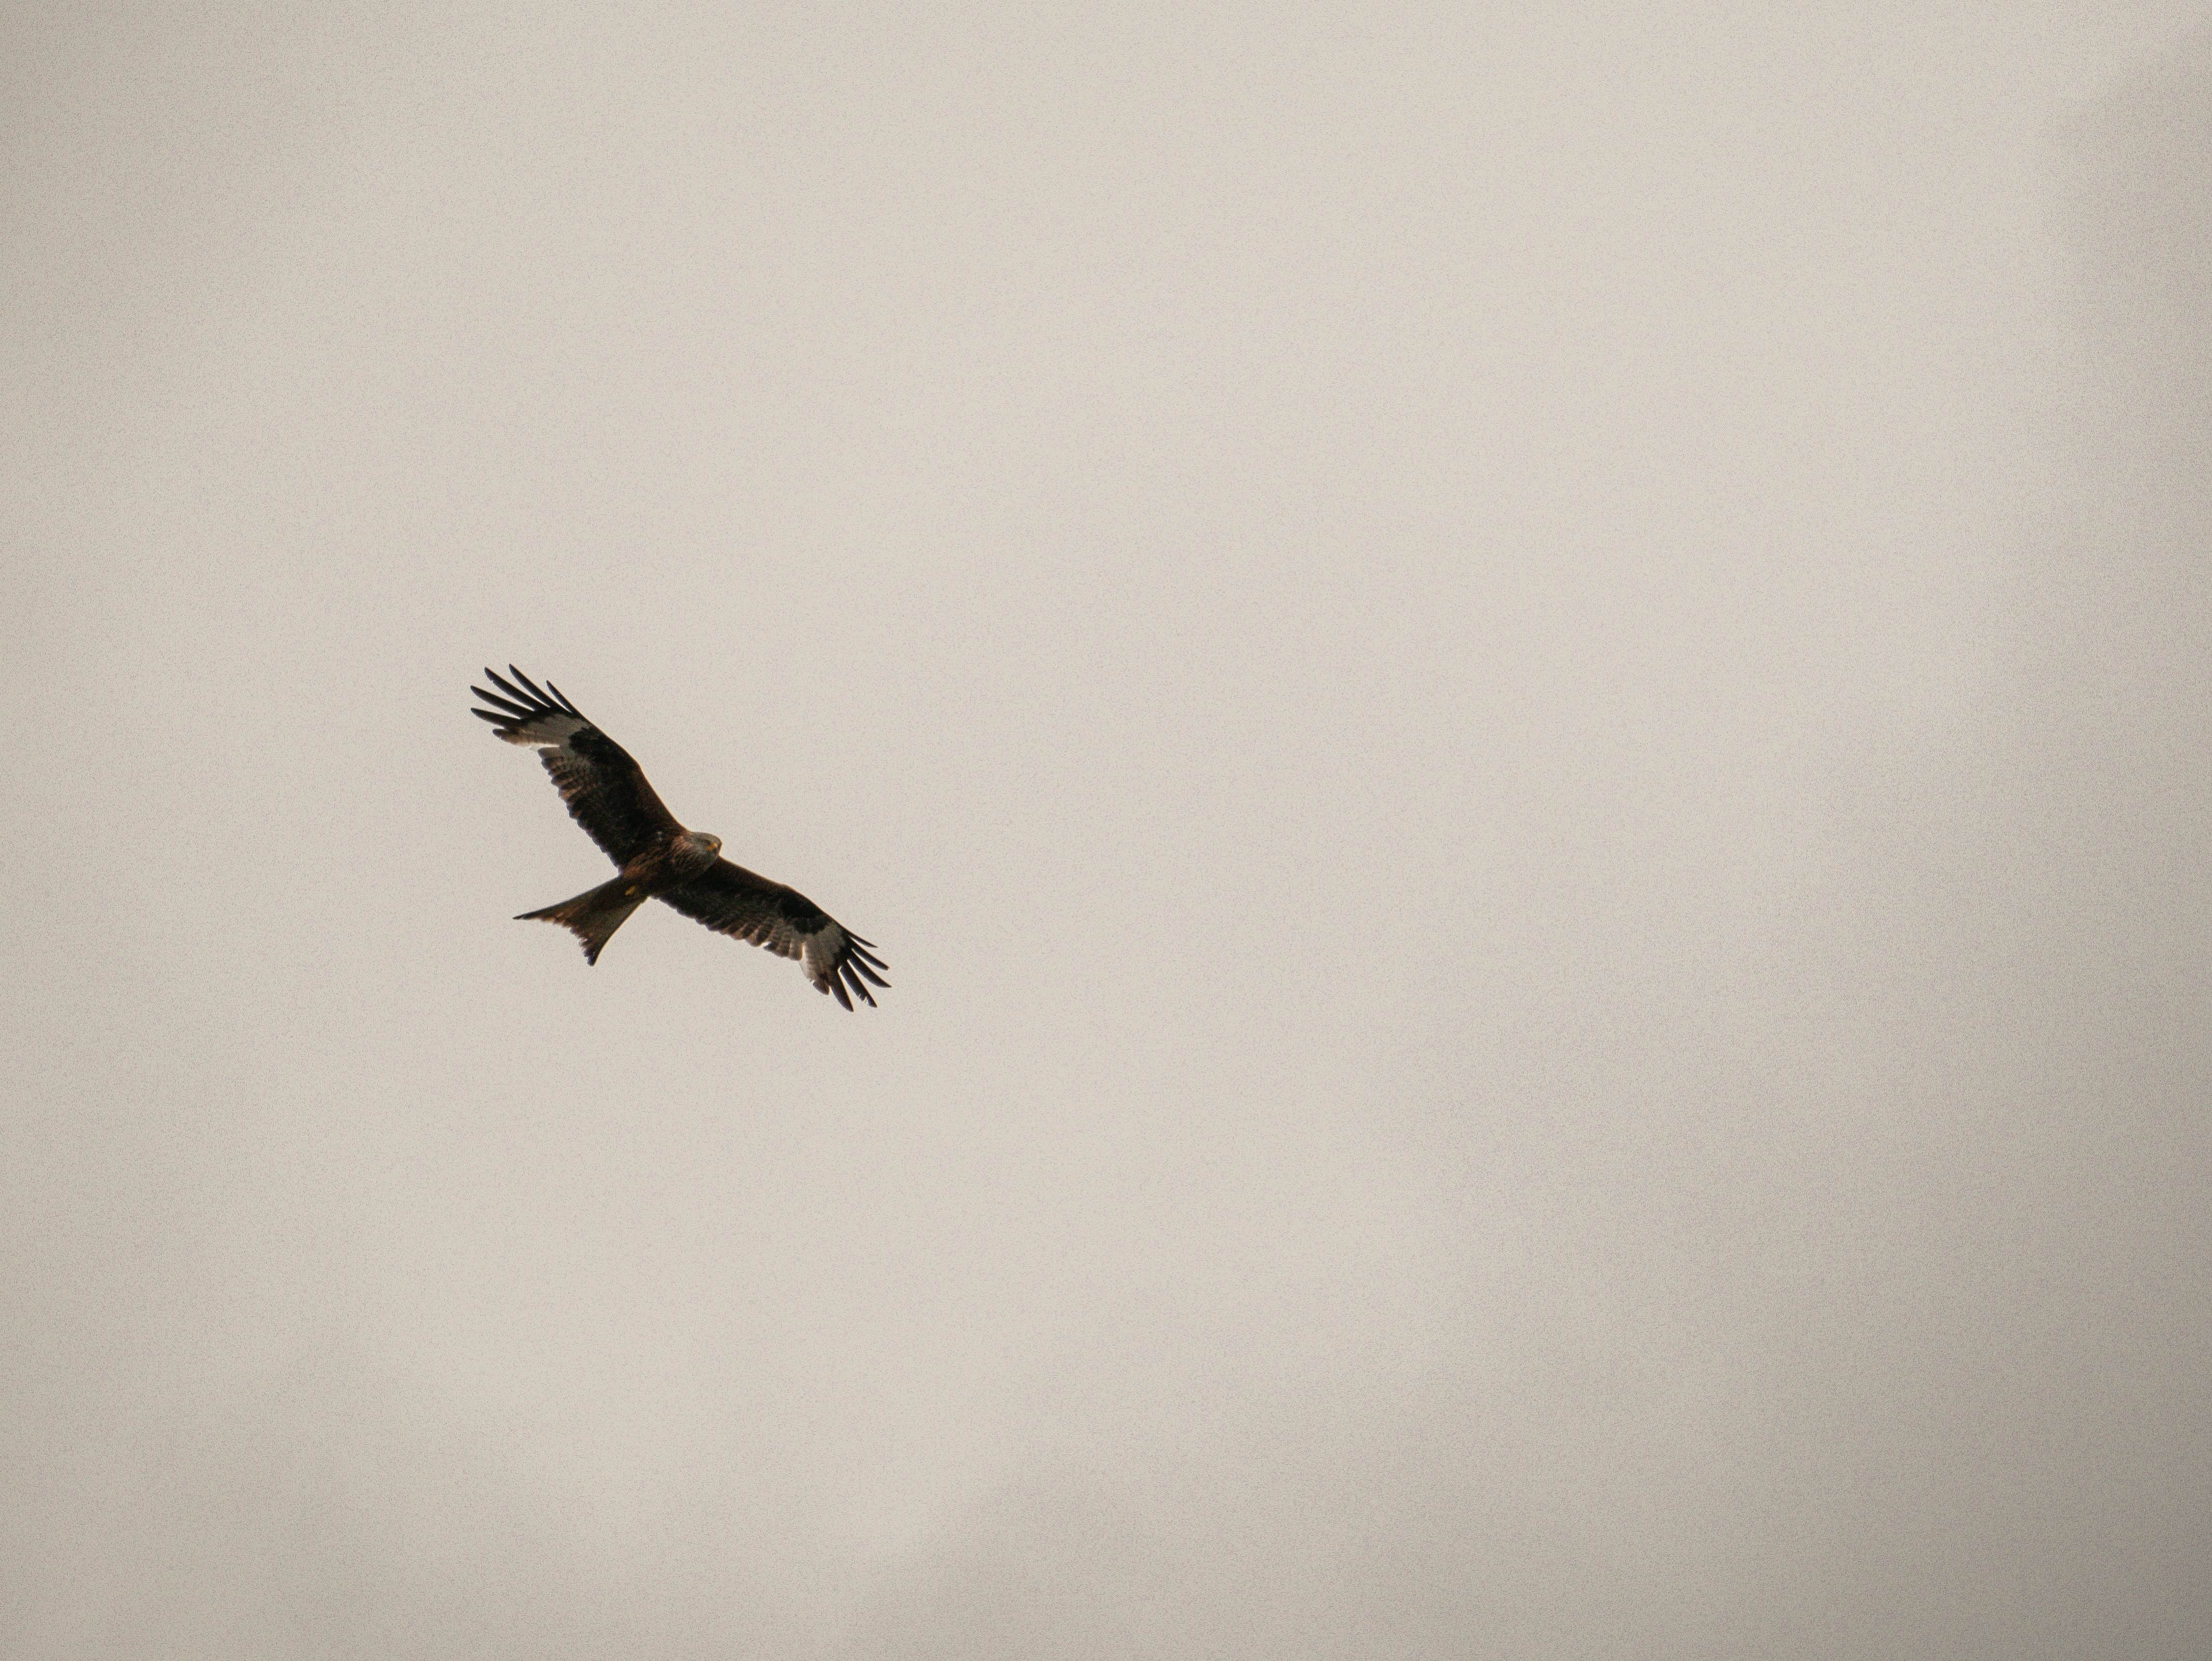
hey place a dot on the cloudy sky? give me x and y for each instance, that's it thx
(1520, 693)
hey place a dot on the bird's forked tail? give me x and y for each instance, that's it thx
(594, 915)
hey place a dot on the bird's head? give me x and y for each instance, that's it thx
(695, 851)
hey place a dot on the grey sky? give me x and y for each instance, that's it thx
(1519, 694)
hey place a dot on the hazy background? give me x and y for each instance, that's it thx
(1521, 694)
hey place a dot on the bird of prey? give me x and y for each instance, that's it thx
(659, 860)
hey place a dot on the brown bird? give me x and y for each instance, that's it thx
(607, 794)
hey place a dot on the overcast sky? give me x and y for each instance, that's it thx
(1520, 693)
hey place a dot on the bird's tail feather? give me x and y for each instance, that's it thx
(594, 915)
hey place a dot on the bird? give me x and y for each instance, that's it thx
(607, 793)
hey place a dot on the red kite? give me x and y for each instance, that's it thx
(607, 794)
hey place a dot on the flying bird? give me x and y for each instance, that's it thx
(659, 860)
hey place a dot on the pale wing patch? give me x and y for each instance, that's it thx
(818, 953)
(547, 732)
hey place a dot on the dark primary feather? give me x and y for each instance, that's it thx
(733, 901)
(606, 789)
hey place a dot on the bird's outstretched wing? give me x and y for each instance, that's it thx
(731, 900)
(606, 790)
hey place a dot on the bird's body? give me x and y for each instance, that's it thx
(657, 859)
